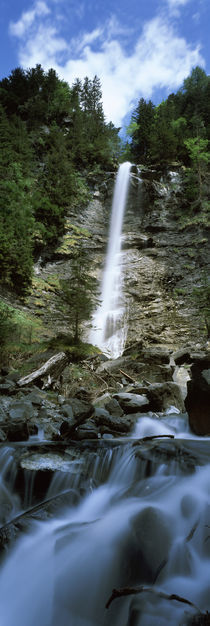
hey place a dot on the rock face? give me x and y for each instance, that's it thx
(197, 402)
(161, 262)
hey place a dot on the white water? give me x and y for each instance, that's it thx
(109, 332)
(138, 527)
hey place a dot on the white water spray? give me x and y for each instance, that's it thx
(109, 331)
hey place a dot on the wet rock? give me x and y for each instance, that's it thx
(113, 407)
(182, 356)
(81, 412)
(197, 402)
(3, 435)
(87, 431)
(80, 409)
(117, 425)
(17, 430)
(21, 410)
(36, 398)
(67, 411)
(8, 387)
(100, 413)
(131, 402)
(102, 400)
(163, 395)
(147, 546)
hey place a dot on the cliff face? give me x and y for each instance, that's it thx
(161, 262)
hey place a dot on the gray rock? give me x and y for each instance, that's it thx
(131, 402)
(118, 425)
(163, 395)
(17, 431)
(113, 407)
(80, 408)
(182, 356)
(146, 546)
(8, 387)
(36, 397)
(67, 410)
(197, 402)
(21, 410)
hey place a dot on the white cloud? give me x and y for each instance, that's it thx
(20, 27)
(159, 59)
(175, 5)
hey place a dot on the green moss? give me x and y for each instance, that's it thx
(180, 291)
(73, 234)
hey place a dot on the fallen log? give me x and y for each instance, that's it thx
(53, 366)
(127, 591)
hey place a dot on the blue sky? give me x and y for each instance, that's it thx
(138, 48)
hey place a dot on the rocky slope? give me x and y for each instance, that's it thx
(161, 261)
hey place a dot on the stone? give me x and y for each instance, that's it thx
(80, 408)
(163, 395)
(114, 425)
(197, 402)
(146, 546)
(36, 397)
(8, 387)
(102, 400)
(17, 431)
(182, 356)
(131, 402)
(113, 407)
(87, 431)
(21, 410)
(67, 411)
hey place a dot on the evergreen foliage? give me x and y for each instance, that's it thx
(159, 133)
(49, 132)
(80, 293)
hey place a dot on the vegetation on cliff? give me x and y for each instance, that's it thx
(51, 134)
(55, 141)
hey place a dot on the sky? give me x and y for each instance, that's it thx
(138, 48)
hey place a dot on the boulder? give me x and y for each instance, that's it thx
(21, 410)
(182, 356)
(132, 403)
(7, 388)
(146, 547)
(197, 402)
(114, 425)
(163, 395)
(17, 430)
(81, 412)
(80, 408)
(113, 407)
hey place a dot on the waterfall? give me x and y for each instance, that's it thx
(147, 523)
(109, 323)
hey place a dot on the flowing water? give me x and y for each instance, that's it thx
(109, 322)
(144, 520)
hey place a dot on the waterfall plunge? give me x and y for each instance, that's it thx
(109, 324)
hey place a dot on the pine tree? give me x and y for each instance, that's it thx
(80, 293)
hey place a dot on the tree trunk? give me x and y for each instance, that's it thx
(54, 366)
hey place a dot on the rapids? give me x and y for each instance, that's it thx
(139, 523)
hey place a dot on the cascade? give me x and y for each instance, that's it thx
(140, 522)
(109, 332)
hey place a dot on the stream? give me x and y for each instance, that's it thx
(142, 520)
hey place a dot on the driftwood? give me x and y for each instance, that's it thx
(53, 366)
(127, 591)
(150, 438)
(127, 376)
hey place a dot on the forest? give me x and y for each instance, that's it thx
(53, 135)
